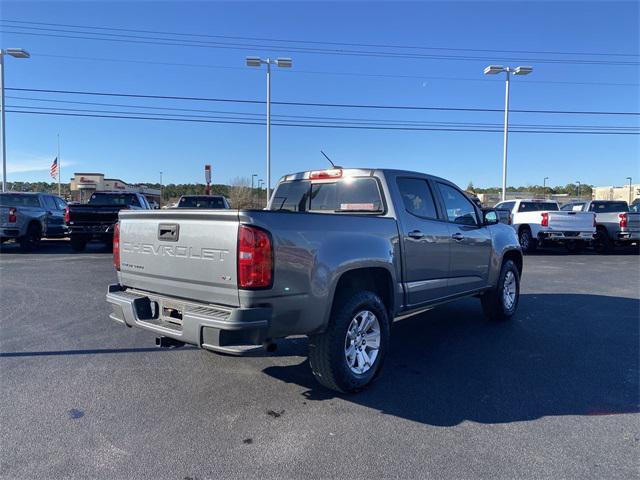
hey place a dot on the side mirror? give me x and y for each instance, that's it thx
(490, 217)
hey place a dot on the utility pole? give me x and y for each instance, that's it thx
(544, 187)
(160, 202)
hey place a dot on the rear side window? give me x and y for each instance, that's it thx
(346, 195)
(18, 200)
(537, 206)
(417, 197)
(609, 207)
(49, 204)
(459, 208)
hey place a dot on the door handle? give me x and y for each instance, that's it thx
(457, 236)
(416, 234)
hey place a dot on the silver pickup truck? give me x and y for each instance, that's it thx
(338, 255)
(615, 223)
(28, 217)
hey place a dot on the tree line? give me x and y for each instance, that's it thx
(570, 188)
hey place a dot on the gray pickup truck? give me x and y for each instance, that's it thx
(615, 223)
(337, 255)
(28, 217)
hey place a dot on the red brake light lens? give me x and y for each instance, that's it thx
(116, 246)
(324, 174)
(255, 258)
(545, 219)
(624, 220)
(13, 218)
(66, 215)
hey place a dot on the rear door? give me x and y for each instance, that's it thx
(189, 253)
(53, 215)
(426, 242)
(471, 241)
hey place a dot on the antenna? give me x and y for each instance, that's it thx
(332, 164)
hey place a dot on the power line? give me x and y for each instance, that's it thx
(319, 51)
(309, 125)
(366, 45)
(304, 117)
(317, 104)
(334, 73)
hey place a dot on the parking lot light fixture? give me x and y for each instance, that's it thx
(282, 62)
(16, 53)
(544, 186)
(630, 192)
(494, 70)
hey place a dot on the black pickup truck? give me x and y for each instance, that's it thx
(95, 219)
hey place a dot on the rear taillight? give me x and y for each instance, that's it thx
(255, 258)
(13, 218)
(66, 215)
(624, 220)
(545, 219)
(116, 246)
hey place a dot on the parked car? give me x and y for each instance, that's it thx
(540, 222)
(615, 224)
(337, 255)
(95, 219)
(203, 201)
(29, 217)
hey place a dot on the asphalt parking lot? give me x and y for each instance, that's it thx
(552, 394)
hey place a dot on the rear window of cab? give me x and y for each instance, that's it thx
(346, 195)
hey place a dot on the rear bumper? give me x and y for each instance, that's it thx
(564, 236)
(9, 232)
(97, 230)
(629, 235)
(213, 327)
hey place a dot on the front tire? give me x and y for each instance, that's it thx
(349, 355)
(500, 303)
(527, 242)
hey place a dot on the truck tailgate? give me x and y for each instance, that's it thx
(188, 253)
(571, 221)
(90, 214)
(633, 222)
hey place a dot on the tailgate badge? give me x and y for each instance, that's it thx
(168, 232)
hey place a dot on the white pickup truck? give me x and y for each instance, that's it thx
(539, 222)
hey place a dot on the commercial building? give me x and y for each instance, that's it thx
(84, 184)
(627, 193)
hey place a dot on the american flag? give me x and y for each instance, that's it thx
(54, 168)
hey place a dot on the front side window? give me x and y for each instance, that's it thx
(417, 197)
(60, 203)
(459, 208)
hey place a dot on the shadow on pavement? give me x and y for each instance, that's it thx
(563, 354)
(94, 351)
(54, 247)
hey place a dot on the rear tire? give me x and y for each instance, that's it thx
(527, 242)
(500, 303)
(340, 356)
(602, 243)
(31, 240)
(78, 244)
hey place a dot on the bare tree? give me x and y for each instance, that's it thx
(241, 195)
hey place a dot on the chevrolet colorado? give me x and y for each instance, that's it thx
(337, 255)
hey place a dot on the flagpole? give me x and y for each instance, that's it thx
(59, 165)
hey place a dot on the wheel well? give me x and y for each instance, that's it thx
(377, 280)
(515, 257)
(35, 223)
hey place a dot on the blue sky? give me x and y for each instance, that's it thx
(136, 151)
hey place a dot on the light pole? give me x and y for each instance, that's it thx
(282, 63)
(544, 187)
(578, 189)
(16, 53)
(493, 70)
(260, 183)
(160, 203)
(630, 193)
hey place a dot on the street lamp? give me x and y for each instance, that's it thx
(544, 186)
(16, 53)
(493, 70)
(630, 194)
(282, 63)
(160, 202)
(260, 183)
(578, 189)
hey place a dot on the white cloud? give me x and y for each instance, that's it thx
(26, 162)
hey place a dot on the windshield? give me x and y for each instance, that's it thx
(17, 200)
(201, 202)
(113, 199)
(538, 207)
(346, 195)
